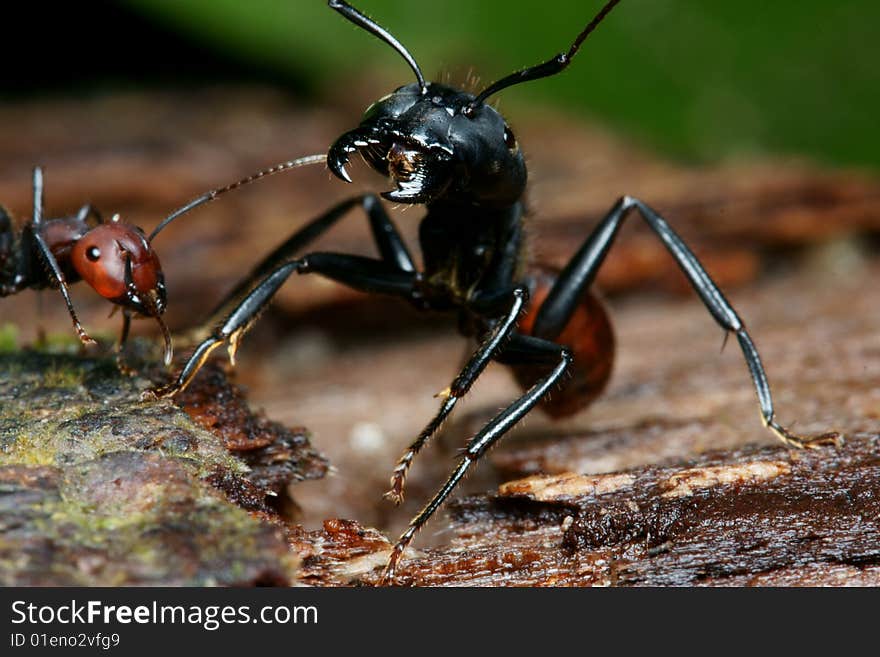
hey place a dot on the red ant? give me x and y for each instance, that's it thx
(448, 150)
(114, 258)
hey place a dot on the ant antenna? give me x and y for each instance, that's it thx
(548, 68)
(214, 193)
(377, 30)
(38, 194)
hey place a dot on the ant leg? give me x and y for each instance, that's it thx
(38, 194)
(365, 274)
(523, 349)
(581, 270)
(120, 346)
(62, 286)
(388, 241)
(10, 282)
(49, 259)
(89, 210)
(459, 387)
(7, 231)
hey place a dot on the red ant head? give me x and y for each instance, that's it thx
(117, 260)
(119, 263)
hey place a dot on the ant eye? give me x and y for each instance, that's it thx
(509, 139)
(93, 253)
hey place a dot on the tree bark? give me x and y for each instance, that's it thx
(98, 488)
(758, 516)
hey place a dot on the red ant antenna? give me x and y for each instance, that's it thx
(214, 193)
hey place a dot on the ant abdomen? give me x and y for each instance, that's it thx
(589, 336)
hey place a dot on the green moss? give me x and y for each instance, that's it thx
(103, 488)
(8, 338)
(29, 449)
(87, 524)
(61, 342)
(63, 377)
(80, 409)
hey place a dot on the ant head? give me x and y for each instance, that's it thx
(118, 262)
(435, 141)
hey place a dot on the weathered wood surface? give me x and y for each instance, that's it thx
(757, 516)
(676, 480)
(99, 488)
(794, 245)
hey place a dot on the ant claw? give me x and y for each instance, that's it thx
(86, 339)
(833, 438)
(159, 392)
(149, 395)
(395, 494)
(388, 575)
(398, 480)
(123, 367)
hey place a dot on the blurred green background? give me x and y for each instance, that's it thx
(700, 79)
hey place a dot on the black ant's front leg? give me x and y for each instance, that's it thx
(459, 387)
(364, 274)
(239, 309)
(581, 270)
(388, 241)
(520, 349)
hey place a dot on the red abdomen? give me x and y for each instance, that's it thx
(588, 334)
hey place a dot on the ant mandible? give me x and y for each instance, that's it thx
(448, 150)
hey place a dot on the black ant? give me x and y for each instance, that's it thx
(448, 150)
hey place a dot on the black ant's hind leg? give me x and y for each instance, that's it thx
(519, 349)
(459, 387)
(581, 270)
(364, 274)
